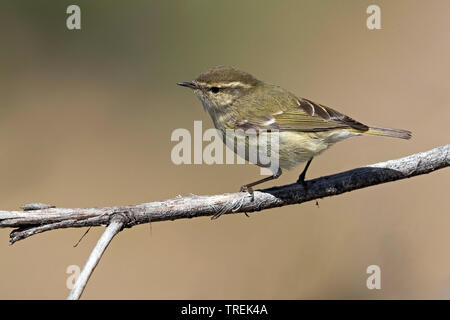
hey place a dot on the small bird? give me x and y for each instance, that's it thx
(237, 100)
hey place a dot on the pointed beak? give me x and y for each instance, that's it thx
(191, 85)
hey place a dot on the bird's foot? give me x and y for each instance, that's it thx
(249, 190)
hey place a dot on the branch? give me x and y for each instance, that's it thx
(39, 218)
(113, 228)
(32, 222)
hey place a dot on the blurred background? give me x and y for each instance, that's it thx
(86, 118)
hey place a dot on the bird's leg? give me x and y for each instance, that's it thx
(301, 177)
(248, 187)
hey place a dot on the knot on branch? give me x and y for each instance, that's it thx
(126, 217)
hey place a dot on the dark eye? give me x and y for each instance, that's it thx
(215, 89)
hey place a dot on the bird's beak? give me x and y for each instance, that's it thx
(191, 85)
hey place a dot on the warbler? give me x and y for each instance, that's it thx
(237, 100)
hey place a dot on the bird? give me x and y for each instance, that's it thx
(304, 129)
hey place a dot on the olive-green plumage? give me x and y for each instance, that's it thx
(237, 100)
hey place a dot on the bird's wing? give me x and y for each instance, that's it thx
(306, 116)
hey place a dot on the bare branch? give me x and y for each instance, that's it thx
(39, 217)
(36, 221)
(113, 228)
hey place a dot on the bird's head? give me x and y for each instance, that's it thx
(219, 87)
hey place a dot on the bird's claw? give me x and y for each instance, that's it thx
(249, 190)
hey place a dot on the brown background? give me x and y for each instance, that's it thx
(86, 118)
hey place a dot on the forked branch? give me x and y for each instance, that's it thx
(28, 223)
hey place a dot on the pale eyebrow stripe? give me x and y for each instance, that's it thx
(233, 84)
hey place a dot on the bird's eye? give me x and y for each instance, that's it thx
(215, 89)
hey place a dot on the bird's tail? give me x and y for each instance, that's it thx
(394, 133)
